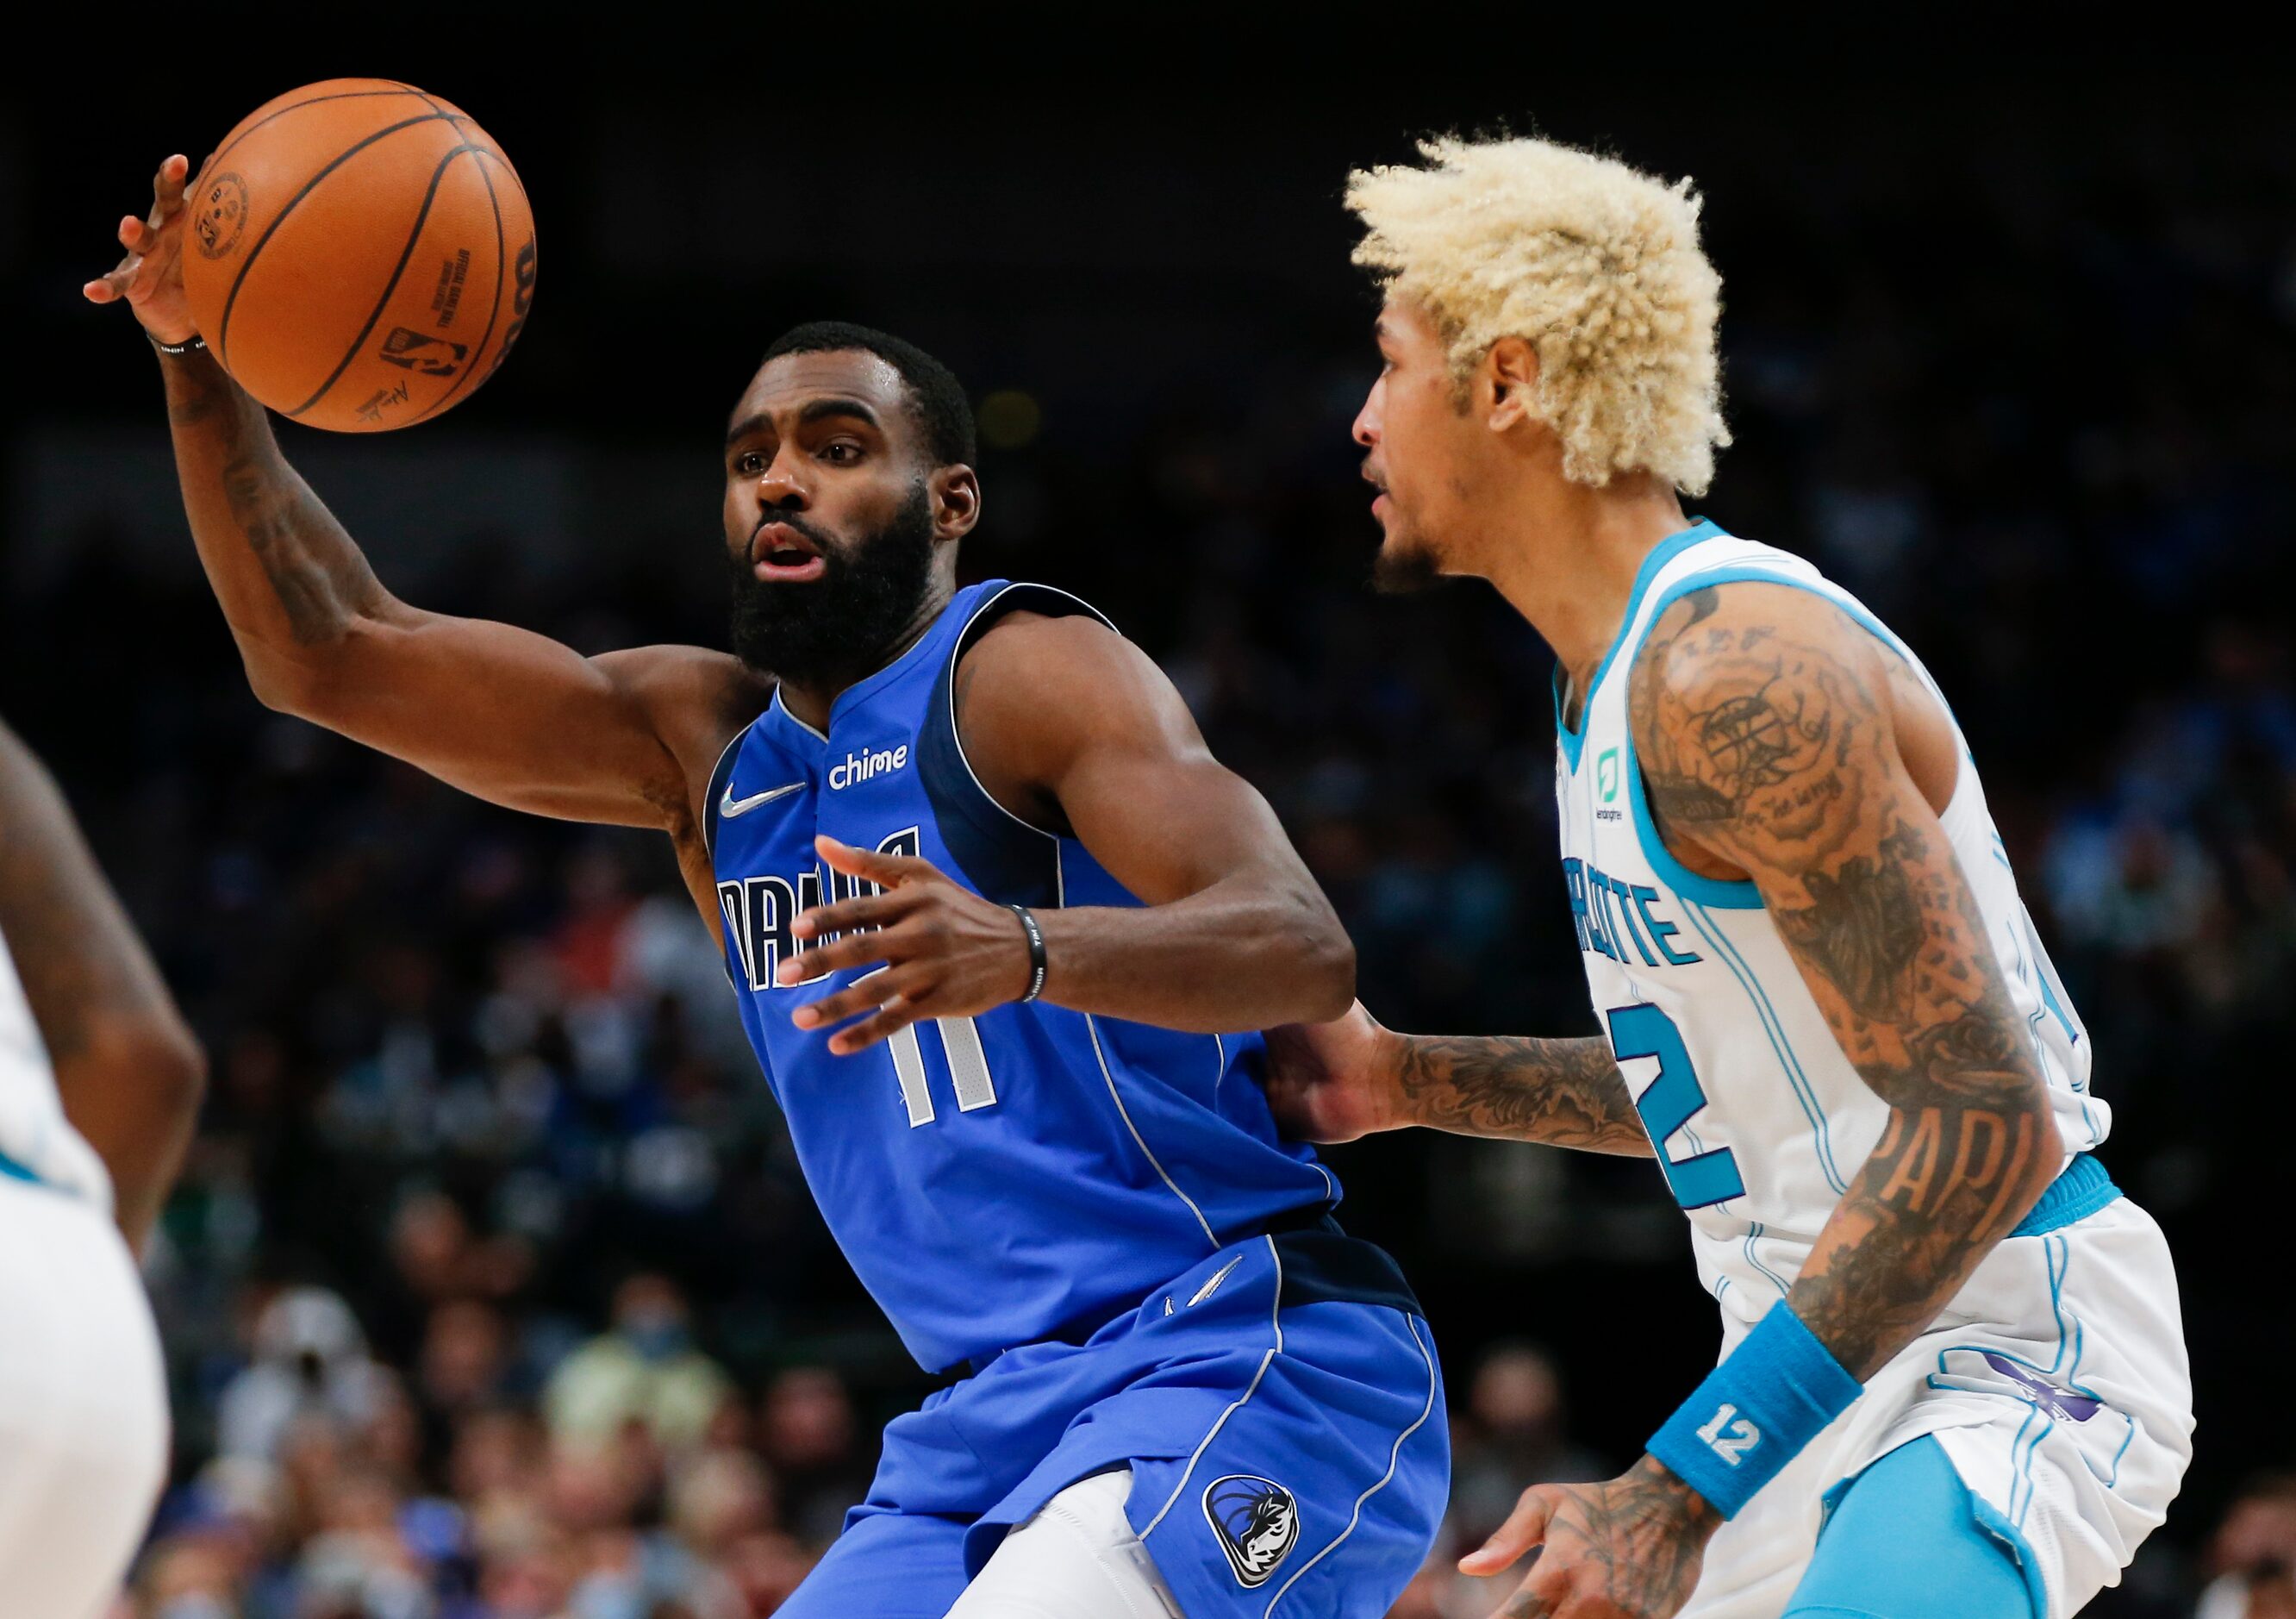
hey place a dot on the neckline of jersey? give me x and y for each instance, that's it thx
(1673, 546)
(875, 678)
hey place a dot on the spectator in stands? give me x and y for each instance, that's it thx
(310, 1359)
(2252, 1559)
(645, 1369)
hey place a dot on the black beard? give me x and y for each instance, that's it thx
(1404, 572)
(829, 632)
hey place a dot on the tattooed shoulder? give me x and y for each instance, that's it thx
(1754, 709)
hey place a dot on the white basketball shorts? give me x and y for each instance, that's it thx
(2057, 1383)
(82, 1405)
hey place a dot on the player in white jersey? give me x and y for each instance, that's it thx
(1953, 1378)
(99, 1087)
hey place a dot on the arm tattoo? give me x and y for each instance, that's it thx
(318, 579)
(1863, 923)
(1565, 1092)
(1766, 738)
(1628, 1537)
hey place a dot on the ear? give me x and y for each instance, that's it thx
(956, 495)
(1510, 371)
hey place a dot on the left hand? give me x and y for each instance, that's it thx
(1335, 1081)
(1626, 1549)
(947, 952)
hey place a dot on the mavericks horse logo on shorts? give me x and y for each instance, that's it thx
(1257, 1521)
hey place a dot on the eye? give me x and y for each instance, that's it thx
(840, 452)
(750, 464)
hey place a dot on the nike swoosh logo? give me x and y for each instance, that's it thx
(729, 806)
(1212, 1286)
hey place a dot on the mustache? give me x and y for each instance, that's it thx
(791, 520)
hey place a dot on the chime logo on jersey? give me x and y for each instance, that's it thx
(860, 767)
(1257, 1521)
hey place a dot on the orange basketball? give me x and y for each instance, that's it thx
(360, 255)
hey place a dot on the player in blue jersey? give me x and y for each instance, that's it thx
(1954, 1382)
(1000, 927)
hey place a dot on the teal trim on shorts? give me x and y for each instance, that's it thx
(2079, 1192)
(1906, 1539)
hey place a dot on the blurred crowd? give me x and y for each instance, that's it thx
(492, 1290)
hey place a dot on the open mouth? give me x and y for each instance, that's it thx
(781, 554)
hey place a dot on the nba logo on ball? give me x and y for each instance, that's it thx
(1257, 1522)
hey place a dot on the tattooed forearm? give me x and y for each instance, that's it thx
(1946, 1182)
(1565, 1092)
(1765, 723)
(320, 577)
(286, 572)
(1969, 1145)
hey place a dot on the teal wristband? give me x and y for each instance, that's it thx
(1756, 1411)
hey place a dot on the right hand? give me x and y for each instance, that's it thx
(151, 278)
(1335, 1081)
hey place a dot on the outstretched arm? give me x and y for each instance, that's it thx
(1234, 933)
(511, 716)
(1337, 1081)
(127, 1068)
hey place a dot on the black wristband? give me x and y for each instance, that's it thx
(196, 342)
(1036, 951)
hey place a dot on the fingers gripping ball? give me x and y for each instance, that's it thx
(359, 254)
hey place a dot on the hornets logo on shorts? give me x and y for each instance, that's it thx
(1257, 1521)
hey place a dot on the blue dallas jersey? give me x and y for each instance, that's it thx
(994, 1180)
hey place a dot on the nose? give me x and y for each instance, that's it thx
(780, 488)
(1368, 420)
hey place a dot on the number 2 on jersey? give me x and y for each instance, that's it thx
(1671, 1101)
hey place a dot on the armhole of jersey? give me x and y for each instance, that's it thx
(1714, 892)
(721, 777)
(1008, 860)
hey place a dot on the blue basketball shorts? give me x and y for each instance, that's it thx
(1280, 1407)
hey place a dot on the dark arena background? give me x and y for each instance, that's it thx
(2014, 356)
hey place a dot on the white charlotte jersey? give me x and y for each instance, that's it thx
(1759, 1118)
(36, 1143)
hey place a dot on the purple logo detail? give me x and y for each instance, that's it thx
(2058, 1400)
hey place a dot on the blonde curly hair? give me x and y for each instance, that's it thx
(1596, 265)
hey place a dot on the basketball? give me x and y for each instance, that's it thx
(360, 255)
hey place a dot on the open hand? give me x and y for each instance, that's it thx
(1334, 1082)
(1626, 1549)
(151, 278)
(947, 952)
